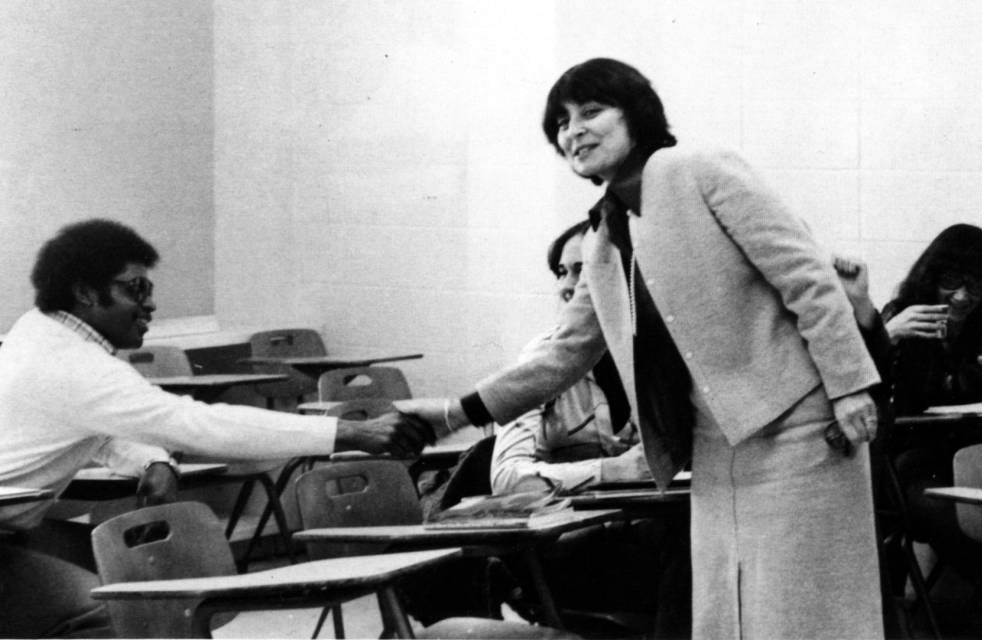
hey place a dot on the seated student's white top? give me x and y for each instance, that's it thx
(563, 442)
(65, 400)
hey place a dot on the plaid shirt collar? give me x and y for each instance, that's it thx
(82, 329)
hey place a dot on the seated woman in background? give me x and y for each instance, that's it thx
(935, 326)
(582, 438)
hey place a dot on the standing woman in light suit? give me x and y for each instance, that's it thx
(739, 350)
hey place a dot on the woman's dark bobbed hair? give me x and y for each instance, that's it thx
(957, 248)
(613, 83)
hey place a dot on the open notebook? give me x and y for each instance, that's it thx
(513, 511)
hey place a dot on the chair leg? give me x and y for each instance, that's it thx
(921, 589)
(272, 502)
(338, 621)
(240, 502)
(335, 612)
(395, 624)
(281, 483)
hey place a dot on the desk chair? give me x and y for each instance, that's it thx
(363, 382)
(968, 473)
(380, 492)
(362, 409)
(284, 343)
(164, 361)
(158, 361)
(966, 496)
(895, 530)
(472, 477)
(169, 544)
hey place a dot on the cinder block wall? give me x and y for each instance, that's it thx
(380, 173)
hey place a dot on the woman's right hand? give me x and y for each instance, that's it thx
(919, 321)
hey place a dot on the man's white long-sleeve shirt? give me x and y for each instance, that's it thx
(65, 401)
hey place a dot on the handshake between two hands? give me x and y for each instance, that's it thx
(402, 433)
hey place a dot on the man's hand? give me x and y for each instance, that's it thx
(630, 465)
(856, 414)
(396, 433)
(158, 485)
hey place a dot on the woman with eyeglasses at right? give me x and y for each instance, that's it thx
(935, 326)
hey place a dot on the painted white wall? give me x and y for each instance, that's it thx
(106, 111)
(400, 195)
(376, 168)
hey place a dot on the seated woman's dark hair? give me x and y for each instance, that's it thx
(615, 84)
(555, 251)
(958, 248)
(91, 252)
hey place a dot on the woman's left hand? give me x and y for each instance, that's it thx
(857, 417)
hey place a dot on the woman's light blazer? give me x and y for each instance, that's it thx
(749, 298)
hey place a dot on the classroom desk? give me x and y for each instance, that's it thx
(635, 502)
(966, 495)
(99, 483)
(319, 407)
(431, 458)
(435, 456)
(951, 427)
(319, 583)
(314, 366)
(19, 495)
(207, 387)
(526, 542)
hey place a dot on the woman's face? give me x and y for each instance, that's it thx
(961, 292)
(570, 265)
(594, 138)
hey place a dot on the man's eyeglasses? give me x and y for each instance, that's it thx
(953, 280)
(138, 289)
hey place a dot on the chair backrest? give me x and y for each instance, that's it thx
(361, 408)
(158, 361)
(179, 540)
(968, 473)
(354, 494)
(281, 343)
(284, 343)
(471, 476)
(363, 382)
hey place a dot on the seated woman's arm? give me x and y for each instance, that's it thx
(516, 464)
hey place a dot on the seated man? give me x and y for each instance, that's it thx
(582, 438)
(65, 400)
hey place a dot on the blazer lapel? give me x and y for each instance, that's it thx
(608, 289)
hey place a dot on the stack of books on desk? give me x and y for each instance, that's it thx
(514, 511)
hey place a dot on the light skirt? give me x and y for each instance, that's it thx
(783, 539)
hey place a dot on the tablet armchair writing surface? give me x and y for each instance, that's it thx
(168, 570)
